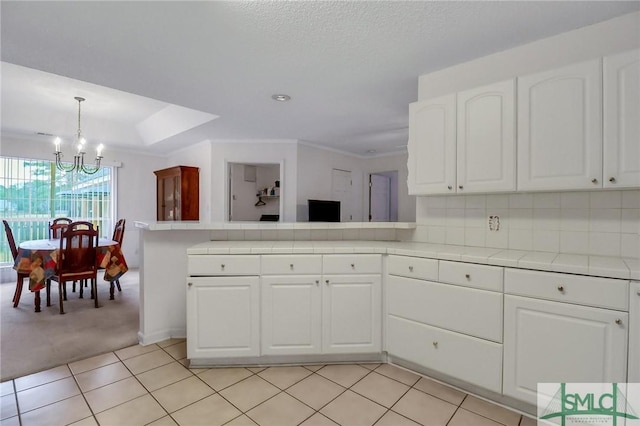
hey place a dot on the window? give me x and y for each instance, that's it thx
(32, 192)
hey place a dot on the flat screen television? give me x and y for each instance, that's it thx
(324, 211)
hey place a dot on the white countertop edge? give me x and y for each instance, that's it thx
(602, 266)
(241, 226)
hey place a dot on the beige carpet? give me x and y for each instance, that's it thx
(32, 342)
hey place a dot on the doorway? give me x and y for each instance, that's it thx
(254, 192)
(383, 196)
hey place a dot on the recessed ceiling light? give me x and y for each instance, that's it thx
(372, 151)
(281, 98)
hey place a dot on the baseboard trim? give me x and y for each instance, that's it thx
(150, 338)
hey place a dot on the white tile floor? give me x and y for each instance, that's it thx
(150, 385)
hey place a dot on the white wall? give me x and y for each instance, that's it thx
(136, 185)
(596, 223)
(316, 165)
(198, 155)
(615, 35)
(252, 152)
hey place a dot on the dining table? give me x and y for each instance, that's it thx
(38, 259)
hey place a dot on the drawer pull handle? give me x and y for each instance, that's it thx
(461, 187)
(353, 266)
(326, 281)
(317, 282)
(435, 345)
(291, 266)
(561, 289)
(618, 321)
(449, 187)
(467, 276)
(411, 269)
(189, 284)
(612, 179)
(222, 266)
(594, 180)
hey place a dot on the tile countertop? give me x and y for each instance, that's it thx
(226, 226)
(601, 266)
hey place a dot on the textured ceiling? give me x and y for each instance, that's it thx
(350, 67)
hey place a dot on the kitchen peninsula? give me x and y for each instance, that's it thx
(428, 307)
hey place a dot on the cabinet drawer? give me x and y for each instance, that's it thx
(591, 291)
(413, 267)
(223, 265)
(471, 275)
(351, 264)
(453, 354)
(291, 264)
(465, 310)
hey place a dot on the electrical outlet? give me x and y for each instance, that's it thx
(494, 223)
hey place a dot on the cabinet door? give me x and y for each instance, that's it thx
(291, 314)
(223, 317)
(351, 314)
(560, 128)
(486, 139)
(634, 333)
(432, 146)
(621, 123)
(552, 342)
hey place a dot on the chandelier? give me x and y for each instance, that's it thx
(78, 159)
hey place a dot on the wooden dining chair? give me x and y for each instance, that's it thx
(14, 253)
(80, 225)
(77, 260)
(118, 236)
(56, 226)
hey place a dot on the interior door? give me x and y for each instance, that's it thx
(341, 185)
(379, 198)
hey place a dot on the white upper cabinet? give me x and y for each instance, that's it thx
(432, 146)
(486, 139)
(464, 145)
(622, 120)
(560, 128)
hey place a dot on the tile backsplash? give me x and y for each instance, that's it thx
(605, 223)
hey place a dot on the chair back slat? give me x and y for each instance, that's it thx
(12, 242)
(82, 225)
(118, 231)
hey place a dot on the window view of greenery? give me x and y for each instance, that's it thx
(33, 192)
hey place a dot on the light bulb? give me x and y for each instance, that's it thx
(99, 150)
(57, 142)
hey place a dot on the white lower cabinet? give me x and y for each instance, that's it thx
(313, 304)
(451, 328)
(223, 317)
(463, 357)
(634, 333)
(315, 314)
(554, 342)
(351, 314)
(291, 315)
